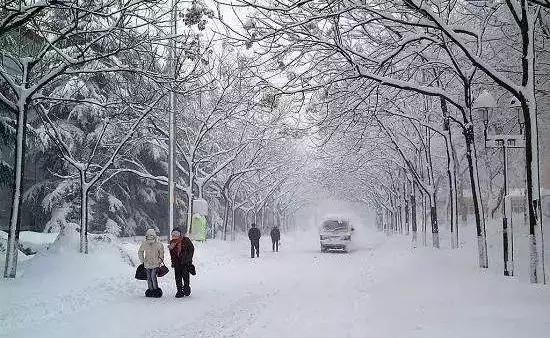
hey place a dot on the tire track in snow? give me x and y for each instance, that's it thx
(229, 320)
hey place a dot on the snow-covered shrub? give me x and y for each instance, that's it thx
(111, 227)
(58, 221)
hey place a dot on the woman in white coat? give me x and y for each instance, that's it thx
(151, 254)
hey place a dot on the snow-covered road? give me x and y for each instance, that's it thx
(381, 289)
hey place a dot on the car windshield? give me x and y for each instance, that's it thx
(335, 226)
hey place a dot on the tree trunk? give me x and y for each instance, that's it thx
(471, 156)
(233, 212)
(190, 197)
(10, 269)
(262, 217)
(392, 215)
(400, 219)
(378, 219)
(433, 219)
(413, 213)
(454, 194)
(424, 221)
(385, 221)
(225, 218)
(529, 110)
(399, 207)
(432, 196)
(451, 174)
(462, 201)
(534, 206)
(406, 203)
(453, 210)
(462, 209)
(83, 213)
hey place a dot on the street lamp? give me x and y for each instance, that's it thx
(514, 103)
(486, 104)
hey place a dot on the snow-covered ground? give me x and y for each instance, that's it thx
(381, 289)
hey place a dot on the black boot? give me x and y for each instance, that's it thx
(157, 293)
(179, 294)
(148, 293)
(186, 290)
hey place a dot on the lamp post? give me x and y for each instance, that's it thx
(172, 68)
(486, 103)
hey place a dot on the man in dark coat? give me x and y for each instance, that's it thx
(254, 235)
(275, 238)
(181, 253)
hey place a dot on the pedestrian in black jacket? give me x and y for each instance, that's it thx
(254, 235)
(275, 238)
(181, 253)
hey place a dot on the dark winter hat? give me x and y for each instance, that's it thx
(253, 225)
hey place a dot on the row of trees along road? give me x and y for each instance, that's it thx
(411, 71)
(83, 118)
(388, 88)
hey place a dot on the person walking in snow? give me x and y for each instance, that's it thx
(151, 255)
(275, 238)
(254, 235)
(181, 253)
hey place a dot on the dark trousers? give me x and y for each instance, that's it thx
(275, 244)
(255, 246)
(182, 274)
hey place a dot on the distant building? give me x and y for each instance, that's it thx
(516, 199)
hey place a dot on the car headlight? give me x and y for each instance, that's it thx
(322, 237)
(346, 238)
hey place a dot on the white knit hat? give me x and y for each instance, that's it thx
(151, 234)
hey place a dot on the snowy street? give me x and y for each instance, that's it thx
(380, 289)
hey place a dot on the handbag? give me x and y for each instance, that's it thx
(162, 270)
(191, 269)
(141, 274)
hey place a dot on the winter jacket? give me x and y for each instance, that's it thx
(181, 251)
(254, 234)
(275, 234)
(151, 251)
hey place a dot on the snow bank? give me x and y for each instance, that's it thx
(59, 281)
(36, 241)
(30, 241)
(22, 256)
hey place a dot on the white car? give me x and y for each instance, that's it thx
(335, 234)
